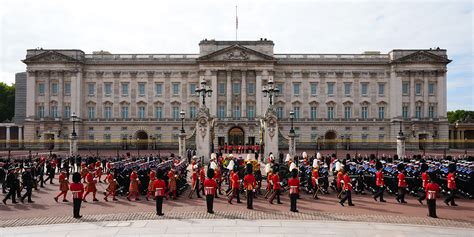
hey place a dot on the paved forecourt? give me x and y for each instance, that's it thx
(230, 228)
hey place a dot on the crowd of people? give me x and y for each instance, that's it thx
(159, 178)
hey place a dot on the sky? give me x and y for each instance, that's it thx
(295, 26)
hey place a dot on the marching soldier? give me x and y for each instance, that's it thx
(451, 185)
(91, 186)
(235, 183)
(11, 183)
(379, 182)
(195, 182)
(347, 188)
(218, 179)
(159, 186)
(171, 184)
(294, 184)
(77, 189)
(151, 189)
(98, 172)
(424, 182)
(112, 186)
(63, 186)
(314, 181)
(402, 184)
(133, 189)
(269, 182)
(210, 187)
(432, 190)
(249, 184)
(202, 177)
(276, 186)
(27, 180)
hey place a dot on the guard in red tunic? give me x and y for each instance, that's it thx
(218, 179)
(315, 182)
(63, 186)
(77, 189)
(91, 186)
(451, 185)
(84, 171)
(249, 185)
(379, 182)
(159, 186)
(269, 183)
(432, 192)
(133, 189)
(235, 183)
(98, 172)
(347, 188)
(171, 184)
(202, 177)
(112, 185)
(294, 184)
(151, 189)
(276, 186)
(402, 184)
(210, 187)
(424, 182)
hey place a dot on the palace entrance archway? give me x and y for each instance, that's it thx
(142, 140)
(330, 140)
(236, 136)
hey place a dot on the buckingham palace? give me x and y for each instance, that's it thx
(337, 101)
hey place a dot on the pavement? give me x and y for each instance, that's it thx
(231, 228)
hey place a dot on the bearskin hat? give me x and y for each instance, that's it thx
(210, 173)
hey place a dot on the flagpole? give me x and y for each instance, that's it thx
(236, 23)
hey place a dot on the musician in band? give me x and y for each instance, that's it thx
(210, 187)
(77, 189)
(451, 185)
(432, 191)
(276, 186)
(379, 182)
(294, 184)
(347, 187)
(159, 186)
(424, 182)
(63, 186)
(235, 184)
(150, 189)
(111, 185)
(402, 184)
(249, 185)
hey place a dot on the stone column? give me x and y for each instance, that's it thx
(258, 93)
(425, 96)
(182, 145)
(244, 94)
(229, 94)
(458, 139)
(203, 134)
(461, 137)
(400, 146)
(31, 89)
(20, 137)
(213, 106)
(8, 137)
(412, 95)
(72, 145)
(292, 144)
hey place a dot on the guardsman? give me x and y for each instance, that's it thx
(339, 178)
(235, 184)
(315, 180)
(171, 184)
(159, 186)
(379, 182)
(276, 185)
(27, 180)
(432, 192)
(210, 187)
(258, 178)
(98, 172)
(249, 185)
(133, 189)
(347, 188)
(269, 181)
(77, 189)
(63, 186)
(111, 187)
(84, 171)
(294, 184)
(402, 184)
(424, 182)
(218, 179)
(11, 183)
(91, 186)
(202, 177)
(451, 185)
(151, 189)
(195, 182)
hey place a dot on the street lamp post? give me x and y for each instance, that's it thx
(73, 118)
(270, 90)
(203, 90)
(292, 117)
(138, 146)
(181, 114)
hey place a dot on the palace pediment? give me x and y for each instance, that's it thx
(422, 57)
(51, 57)
(236, 53)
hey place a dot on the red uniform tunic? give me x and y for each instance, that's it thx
(194, 178)
(339, 178)
(202, 175)
(347, 183)
(424, 179)
(152, 180)
(269, 180)
(235, 180)
(63, 183)
(431, 191)
(77, 190)
(249, 182)
(315, 176)
(210, 187)
(159, 186)
(217, 175)
(90, 183)
(276, 182)
(294, 184)
(401, 180)
(451, 181)
(133, 182)
(112, 184)
(171, 181)
(379, 179)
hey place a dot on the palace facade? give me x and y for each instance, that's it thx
(340, 101)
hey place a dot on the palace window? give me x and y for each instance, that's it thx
(124, 89)
(54, 88)
(108, 88)
(314, 89)
(364, 88)
(192, 112)
(176, 112)
(431, 88)
(90, 112)
(159, 112)
(67, 112)
(347, 89)
(330, 88)
(41, 88)
(405, 88)
(418, 88)
(381, 89)
(330, 112)
(125, 112)
(296, 110)
(192, 89)
(431, 112)
(175, 88)
(279, 112)
(347, 112)
(158, 89)
(221, 112)
(221, 88)
(381, 112)
(314, 112)
(67, 88)
(405, 113)
(236, 88)
(280, 88)
(141, 89)
(251, 88)
(251, 112)
(418, 112)
(107, 112)
(365, 112)
(54, 111)
(91, 89)
(141, 112)
(296, 89)
(236, 112)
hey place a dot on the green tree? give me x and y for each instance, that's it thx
(7, 101)
(460, 115)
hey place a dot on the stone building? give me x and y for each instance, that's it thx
(340, 101)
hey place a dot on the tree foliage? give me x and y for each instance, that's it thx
(7, 101)
(459, 115)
